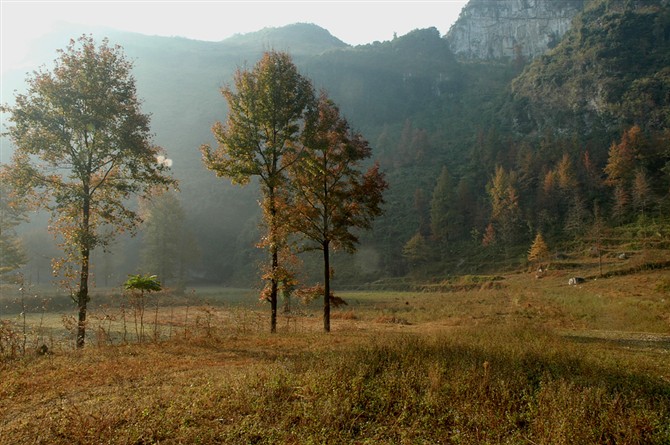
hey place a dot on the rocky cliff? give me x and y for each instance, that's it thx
(494, 29)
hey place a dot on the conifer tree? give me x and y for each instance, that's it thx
(422, 212)
(539, 252)
(641, 191)
(505, 208)
(489, 237)
(416, 250)
(441, 207)
(621, 205)
(567, 180)
(577, 216)
(621, 161)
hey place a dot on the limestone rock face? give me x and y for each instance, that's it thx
(495, 29)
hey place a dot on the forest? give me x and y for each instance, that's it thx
(480, 156)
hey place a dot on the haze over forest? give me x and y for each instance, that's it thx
(482, 149)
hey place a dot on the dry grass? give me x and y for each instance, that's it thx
(523, 361)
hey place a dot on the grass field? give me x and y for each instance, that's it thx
(514, 359)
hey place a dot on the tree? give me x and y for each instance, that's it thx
(168, 246)
(505, 210)
(441, 207)
(422, 212)
(330, 195)
(621, 205)
(621, 161)
(268, 106)
(576, 217)
(489, 237)
(641, 191)
(565, 175)
(12, 213)
(597, 233)
(539, 252)
(83, 146)
(416, 250)
(621, 168)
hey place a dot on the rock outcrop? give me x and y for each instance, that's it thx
(495, 29)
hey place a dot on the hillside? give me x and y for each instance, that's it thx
(609, 72)
(430, 116)
(511, 29)
(452, 332)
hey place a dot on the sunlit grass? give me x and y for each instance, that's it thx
(487, 385)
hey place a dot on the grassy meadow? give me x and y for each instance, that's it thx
(508, 359)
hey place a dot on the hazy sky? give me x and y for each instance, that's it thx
(354, 22)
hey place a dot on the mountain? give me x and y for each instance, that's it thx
(611, 70)
(297, 39)
(496, 29)
(484, 128)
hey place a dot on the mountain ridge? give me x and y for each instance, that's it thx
(422, 108)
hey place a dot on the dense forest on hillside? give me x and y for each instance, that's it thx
(480, 156)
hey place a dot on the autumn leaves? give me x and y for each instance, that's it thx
(309, 165)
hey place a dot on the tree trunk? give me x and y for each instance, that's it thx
(274, 260)
(326, 287)
(82, 296)
(273, 290)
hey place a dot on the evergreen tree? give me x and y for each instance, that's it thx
(539, 252)
(621, 205)
(489, 238)
(168, 246)
(621, 161)
(577, 216)
(505, 208)
(441, 207)
(641, 192)
(565, 174)
(422, 212)
(416, 251)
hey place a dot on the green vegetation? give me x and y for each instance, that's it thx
(549, 125)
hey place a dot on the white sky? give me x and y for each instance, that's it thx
(354, 22)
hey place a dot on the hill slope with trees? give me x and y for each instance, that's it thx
(501, 149)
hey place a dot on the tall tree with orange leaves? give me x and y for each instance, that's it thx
(330, 194)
